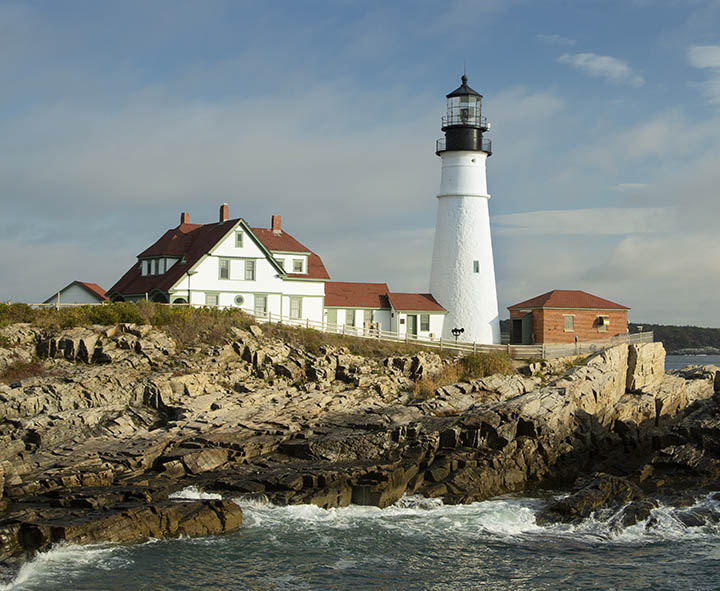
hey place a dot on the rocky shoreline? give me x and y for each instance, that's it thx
(117, 420)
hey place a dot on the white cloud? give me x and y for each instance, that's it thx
(555, 39)
(704, 56)
(707, 57)
(606, 221)
(625, 187)
(603, 66)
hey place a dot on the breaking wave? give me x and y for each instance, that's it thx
(497, 544)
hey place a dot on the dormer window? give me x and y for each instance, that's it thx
(298, 266)
(156, 266)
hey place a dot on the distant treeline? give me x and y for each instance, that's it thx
(681, 337)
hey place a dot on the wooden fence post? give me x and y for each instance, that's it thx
(441, 343)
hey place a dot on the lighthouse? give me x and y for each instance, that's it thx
(462, 277)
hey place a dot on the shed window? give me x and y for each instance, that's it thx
(569, 323)
(603, 322)
(250, 270)
(425, 322)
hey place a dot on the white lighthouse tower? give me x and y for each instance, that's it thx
(462, 278)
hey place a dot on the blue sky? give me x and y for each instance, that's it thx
(605, 176)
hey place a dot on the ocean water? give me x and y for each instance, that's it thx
(417, 544)
(680, 361)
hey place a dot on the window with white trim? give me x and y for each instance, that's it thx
(212, 300)
(249, 270)
(425, 322)
(238, 239)
(349, 317)
(260, 308)
(224, 272)
(281, 262)
(295, 307)
(603, 322)
(297, 265)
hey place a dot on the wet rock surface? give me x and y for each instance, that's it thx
(91, 449)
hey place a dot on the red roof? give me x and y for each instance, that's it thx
(192, 241)
(93, 288)
(569, 298)
(356, 295)
(415, 301)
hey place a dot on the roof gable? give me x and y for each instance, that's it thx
(92, 288)
(569, 298)
(191, 242)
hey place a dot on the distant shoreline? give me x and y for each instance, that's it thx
(696, 351)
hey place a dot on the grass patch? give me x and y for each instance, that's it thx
(187, 326)
(480, 365)
(314, 340)
(20, 370)
(471, 367)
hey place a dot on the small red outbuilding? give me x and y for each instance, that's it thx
(566, 316)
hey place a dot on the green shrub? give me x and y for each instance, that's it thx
(14, 313)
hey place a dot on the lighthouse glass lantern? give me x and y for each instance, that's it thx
(464, 124)
(464, 110)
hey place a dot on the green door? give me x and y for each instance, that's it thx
(412, 322)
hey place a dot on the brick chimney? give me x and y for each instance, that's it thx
(224, 211)
(184, 218)
(276, 224)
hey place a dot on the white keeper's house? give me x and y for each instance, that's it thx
(265, 271)
(268, 273)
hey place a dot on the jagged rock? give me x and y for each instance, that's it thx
(37, 532)
(604, 491)
(229, 418)
(646, 366)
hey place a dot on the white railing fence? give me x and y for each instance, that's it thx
(520, 352)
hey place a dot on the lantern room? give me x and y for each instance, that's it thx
(464, 123)
(464, 107)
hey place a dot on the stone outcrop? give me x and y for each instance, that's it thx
(646, 366)
(121, 418)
